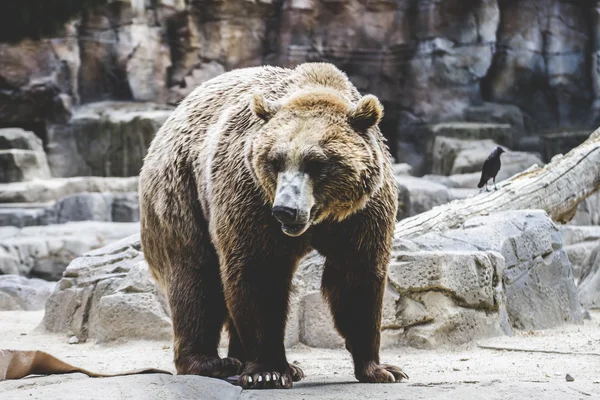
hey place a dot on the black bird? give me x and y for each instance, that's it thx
(491, 167)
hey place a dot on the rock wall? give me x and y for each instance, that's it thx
(496, 273)
(530, 63)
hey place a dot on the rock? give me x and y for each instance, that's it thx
(108, 207)
(589, 284)
(496, 113)
(45, 251)
(195, 78)
(451, 324)
(545, 78)
(21, 293)
(22, 165)
(537, 278)
(456, 156)
(569, 378)
(472, 179)
(402, 169)
(578, 253)
(412, 154)
(502, 134)
(467, 277)
(448, 296)
(9, 263)
(83, 207)
(73, 340)
(588, 211)
(496, 273)
(38, 79)
(108, 294)
(115, 207)
(144, 56)
(573, 234)
(513, 162)
(317, 327)
(424, 194)
(183, 387)
(403, 203)
(17, 138)
(442, 180)
(56, 188)
(27, 214)
(445, 150)
(562, 142)
(104, 139)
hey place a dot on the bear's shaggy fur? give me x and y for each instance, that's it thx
(254, 169)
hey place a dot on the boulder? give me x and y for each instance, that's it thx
(449, 296)
(588, 211)
(39, 79)
(108, 207)
(45, 251)
(579, 242)
(161, 386)
(451, 156)
(589, 284)
(108, 294)
(23, 165)
(578, 253)
(53, 189)
(513, 162)
(537, 277)
(27, 214)
(502, 134)
(562, 142)
(423, 194)
(20, 293)
(17, 138)
(104, 139)
(496, 113)
(573, 234)
(115, 207)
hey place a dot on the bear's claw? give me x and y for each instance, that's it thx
(381, 373)
(255, 377)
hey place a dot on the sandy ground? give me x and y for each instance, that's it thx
(471, 372)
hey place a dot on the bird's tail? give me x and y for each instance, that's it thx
(481, 183)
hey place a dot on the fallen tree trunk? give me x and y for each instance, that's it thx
(557, 188)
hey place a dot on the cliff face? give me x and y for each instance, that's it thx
(428, 60)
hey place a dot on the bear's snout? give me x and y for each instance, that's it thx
(285, 215)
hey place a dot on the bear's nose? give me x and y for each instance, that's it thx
(285, 215)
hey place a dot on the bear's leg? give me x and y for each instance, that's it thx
(257, 296)
(356, 303)
(198, 312)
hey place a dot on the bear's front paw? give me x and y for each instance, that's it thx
(380, 373)
(209, 366)
(259, 376)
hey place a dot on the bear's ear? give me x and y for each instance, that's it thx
(263, 108)
(367, 113)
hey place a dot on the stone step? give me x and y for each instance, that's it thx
(17, 138)
(17, 165)
(45, 251)
(108, 207)
(104, 139)
(47, 190)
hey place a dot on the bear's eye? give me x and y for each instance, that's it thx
(276, 163)
(315, 166)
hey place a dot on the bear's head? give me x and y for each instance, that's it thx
(317, 157)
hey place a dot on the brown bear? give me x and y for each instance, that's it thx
(253, 169)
